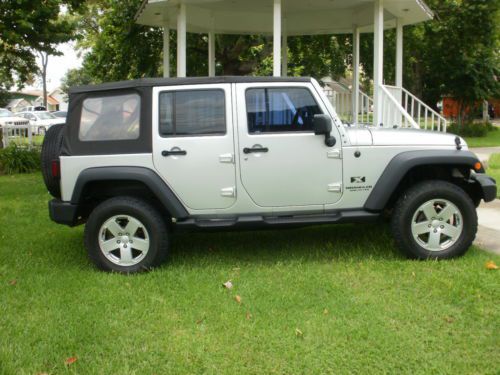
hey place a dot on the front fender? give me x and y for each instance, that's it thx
(402, 163)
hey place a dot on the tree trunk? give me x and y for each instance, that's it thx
(486, 116)
(45, 60)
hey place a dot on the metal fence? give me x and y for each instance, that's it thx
(21, 135)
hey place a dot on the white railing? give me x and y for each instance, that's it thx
(22, 135)
(424, 116)
(393, 114)
(342, 103)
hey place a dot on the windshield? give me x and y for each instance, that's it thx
(45, 115)
(5, 113)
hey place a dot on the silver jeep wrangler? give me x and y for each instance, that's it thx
(141, 159)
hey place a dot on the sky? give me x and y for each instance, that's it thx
(58, 66)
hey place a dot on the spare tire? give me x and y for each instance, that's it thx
(51, 150)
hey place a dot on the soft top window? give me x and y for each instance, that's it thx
(110, 118)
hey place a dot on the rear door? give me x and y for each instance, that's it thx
(283, 163)
(193, 147)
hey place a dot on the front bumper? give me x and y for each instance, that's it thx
(487, 184)
(63, 212)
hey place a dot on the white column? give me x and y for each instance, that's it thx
(181, 41)
(399, 53)
(284, 49)
(378, 60)
(277, 38)
(166, 52)
(355, 75)
(211, 54)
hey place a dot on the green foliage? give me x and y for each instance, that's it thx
(75, 77)
(15, 159)
(471, 129)
(27, 26)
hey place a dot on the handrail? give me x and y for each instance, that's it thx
(399, 107)
(419, 104)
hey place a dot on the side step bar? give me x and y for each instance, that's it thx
(251, 222)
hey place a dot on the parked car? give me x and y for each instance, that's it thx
(61, 114)
(139, 160)
(41, 121)
(33, 108)
(9, 118)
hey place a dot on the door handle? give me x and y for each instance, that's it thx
(174, 152)
(248, 150)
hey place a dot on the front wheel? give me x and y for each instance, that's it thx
(127, 235)
(434, 220)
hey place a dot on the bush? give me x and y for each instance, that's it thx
(471, 129)
(15, 159)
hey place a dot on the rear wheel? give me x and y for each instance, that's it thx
(434, 220)
(126, 235)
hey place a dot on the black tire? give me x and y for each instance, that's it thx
(51, 150)
(408, 205)
(154, 224)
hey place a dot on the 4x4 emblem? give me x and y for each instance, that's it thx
(358, 180)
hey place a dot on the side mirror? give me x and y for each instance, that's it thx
(322, 125)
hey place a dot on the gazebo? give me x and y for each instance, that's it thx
(283, 18)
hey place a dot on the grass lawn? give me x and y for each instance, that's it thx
(316, 300)
(494, 169)
(491, 140)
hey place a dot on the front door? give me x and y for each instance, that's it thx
(283, 163)
(193, 147)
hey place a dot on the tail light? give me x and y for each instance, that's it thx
(56, 169)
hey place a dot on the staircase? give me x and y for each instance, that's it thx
(399, 108)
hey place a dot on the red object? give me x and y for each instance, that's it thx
(56, 169)
(450, 107)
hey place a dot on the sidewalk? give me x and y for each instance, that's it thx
(484, 153)
(488, 234)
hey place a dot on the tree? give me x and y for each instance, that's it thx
(26, 27)
(75, 77)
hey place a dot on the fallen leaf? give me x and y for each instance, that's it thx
(70, 361)
(413, 274)
(200, 320)
(298, 332)
(12, 282)
(325, 312)
(491, 265)
(43, 373)
(249, 316)
(238, 299)
(449, 319)
(228, 284)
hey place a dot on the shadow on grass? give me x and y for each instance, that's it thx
(312, 244)
(340, 243)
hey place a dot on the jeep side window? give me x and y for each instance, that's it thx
(110, 118)
(284, 109)
(192, 112)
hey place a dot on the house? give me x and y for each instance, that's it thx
(56, 100)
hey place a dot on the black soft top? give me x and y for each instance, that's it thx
(150, 82)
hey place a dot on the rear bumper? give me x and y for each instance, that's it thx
(488, 186)
(63, 212)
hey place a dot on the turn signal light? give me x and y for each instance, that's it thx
(478, 166)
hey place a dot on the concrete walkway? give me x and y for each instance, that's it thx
(484, 153)
(488, 235)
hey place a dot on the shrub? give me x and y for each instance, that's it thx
(471, 129)
(15, 159)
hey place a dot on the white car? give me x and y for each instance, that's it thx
(41, 121)
(7, 118)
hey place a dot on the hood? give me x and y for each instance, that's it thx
(51, 121)
(400, 137)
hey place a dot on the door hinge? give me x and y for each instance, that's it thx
(229, 192)
(226, 158)
(334, 154)
(335, 188)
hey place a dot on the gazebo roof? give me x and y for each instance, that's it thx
(301, 17)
